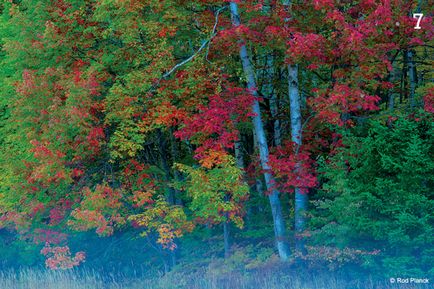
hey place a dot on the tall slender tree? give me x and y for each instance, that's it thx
(296, 137)
(301, 198)
(273, 194)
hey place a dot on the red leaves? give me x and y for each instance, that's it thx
(56, 216)
(41, 150)
(214, 126)
(77, 75)
(94, 137)
(323, 4)
(76, 173)
(136, 177)
(104, 79)
(428, 100)
(28, 83)
(59, 257)
(85, 78)
(274, 30)
(356, 51)
(36, 208)
(331, 104)
(211, 157)
(336, 15)
(59, 211)
(416, 41)
(292, 169)
(47, 236)
(307, 46)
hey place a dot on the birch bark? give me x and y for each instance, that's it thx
(276, 208)
(301, 199)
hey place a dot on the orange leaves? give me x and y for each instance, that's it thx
(102, 197)
(84, 220)
(169, 221)
(167, 31)
(19, 220)
(168, 115)
(141, 198)
(59, 257)
(166, 236)
(99, 209)
(212, 158)
(155, 213)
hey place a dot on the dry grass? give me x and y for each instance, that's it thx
(32, 279)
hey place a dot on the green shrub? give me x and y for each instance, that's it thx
(377, 194)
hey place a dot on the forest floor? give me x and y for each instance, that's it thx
(74, 279)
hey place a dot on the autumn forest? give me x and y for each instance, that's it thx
(171, 139)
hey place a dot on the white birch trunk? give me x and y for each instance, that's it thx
(279, 225)
(296, 137)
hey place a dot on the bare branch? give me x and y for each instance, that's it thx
(187, 60)
(213, 33)
(204, 44)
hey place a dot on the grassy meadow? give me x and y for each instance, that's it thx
(80, 279)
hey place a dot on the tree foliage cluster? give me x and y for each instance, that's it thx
(307, 124)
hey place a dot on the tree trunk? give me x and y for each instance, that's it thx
(404, 92)
(259, 184)
(391, 97)
(268, 87)
(175, 156)
(226, 238)
(412, 78)
(268, 92)
(164, 163)
(239, 158)
(171, 198)
(279, 225)
(296, 137)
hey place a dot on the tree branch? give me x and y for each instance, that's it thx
(204, 44)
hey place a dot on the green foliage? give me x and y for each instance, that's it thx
(217, 193)
(378, 195)
(169, 221)
(97, 135)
